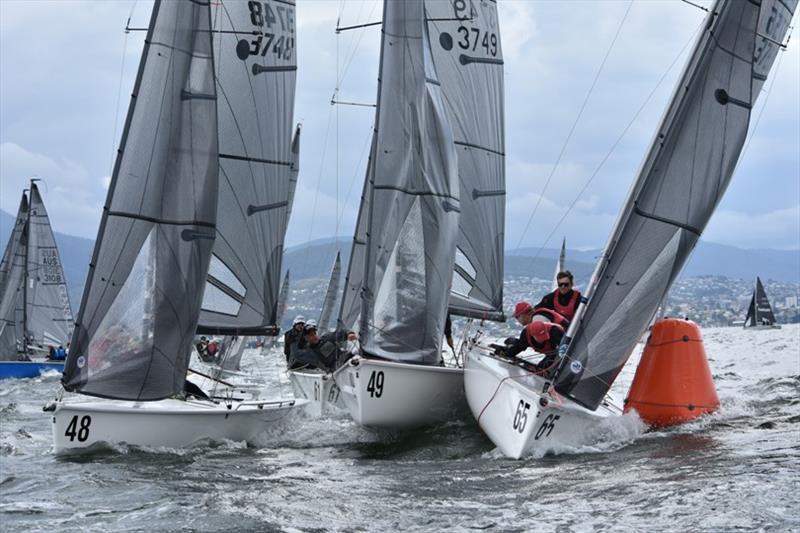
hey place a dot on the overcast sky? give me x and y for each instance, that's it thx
(67, 69)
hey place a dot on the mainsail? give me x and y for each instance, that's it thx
(255, 62)
(145, 283)
(48, 314)
(325, 316)
(465, 41)
(12, 278)
(760, 311)
(412, 224)
(681, 181)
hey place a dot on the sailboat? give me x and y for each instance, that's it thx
(759, 312)
(562, 258)
(431, 207)
(687, 169)
(201, 175)
(317, 385)
(35, 313)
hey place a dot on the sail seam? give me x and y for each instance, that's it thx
(254, 159)
(162, 220)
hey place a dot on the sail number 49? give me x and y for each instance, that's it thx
(79, 430)
(375, 384)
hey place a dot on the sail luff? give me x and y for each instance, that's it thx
(12, 270)
(682, 179)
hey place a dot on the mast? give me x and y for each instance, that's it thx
(25, 275)
(681, 181)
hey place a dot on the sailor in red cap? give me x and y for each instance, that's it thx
(523, 312)
(541, 335)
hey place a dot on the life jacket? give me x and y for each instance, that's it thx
(567, 311)
(552, 316)
(546, 345)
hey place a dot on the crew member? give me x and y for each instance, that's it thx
(320, 352)
(293, 335)
(564, 300)
(543, 337)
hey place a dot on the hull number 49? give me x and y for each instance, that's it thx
(375, 384)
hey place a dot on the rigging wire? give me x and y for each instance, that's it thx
(616, 142)
(575, 123)
(119, 89)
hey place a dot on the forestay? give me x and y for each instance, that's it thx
(682, 179)
(12, 276)
(48, 314)
(465, 40)
(413, 214)
(145, 283)
(328, 304)
(255, 65)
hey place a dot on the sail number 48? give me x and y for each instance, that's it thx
(375, 384)
(80, 431)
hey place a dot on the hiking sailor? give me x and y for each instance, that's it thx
(564, 300)
(544, 337)
(320, 352)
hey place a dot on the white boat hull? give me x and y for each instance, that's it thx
(166, 423)
(319, 388)
(389, 395)
(513, 409)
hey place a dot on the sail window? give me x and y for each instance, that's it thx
(465, 264)
(460, 285)
(217, 301)
(225, 275)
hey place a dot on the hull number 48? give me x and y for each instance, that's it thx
(78, 429)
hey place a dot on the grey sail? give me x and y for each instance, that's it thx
(465, 40)
(142, 297)
(759, 313)
(48, 314)
(255, 67)
(295, 171)
(561, 263)
(681, 181)
(283, 298)
(12, 278)
(412, 223)
(350, 305)
(328, 304)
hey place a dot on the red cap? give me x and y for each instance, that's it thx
(538, 330)
(521, 308)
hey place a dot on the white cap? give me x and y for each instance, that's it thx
(299, 319)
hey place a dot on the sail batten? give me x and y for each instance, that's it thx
(681, 181)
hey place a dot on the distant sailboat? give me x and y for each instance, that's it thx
(197, 143)
(560, 264)
(687, 169)
(759, 312)
(432, 206)
(35, 313)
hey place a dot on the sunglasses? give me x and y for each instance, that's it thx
(567, 284)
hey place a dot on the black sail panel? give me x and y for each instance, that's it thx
(413, 215)
(142, 298)
(255, 61)
(683, 178)
(12, 278)
(48, 318)
(465, 41)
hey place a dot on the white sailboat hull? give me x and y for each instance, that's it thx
(511, 408)
(319, 388)
(166, 423)
(389, 395)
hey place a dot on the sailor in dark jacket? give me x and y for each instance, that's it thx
(293, 336)
(320, 352)
(564, 300)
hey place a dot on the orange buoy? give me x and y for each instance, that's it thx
(673, 382)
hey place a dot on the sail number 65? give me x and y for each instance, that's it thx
(521, 416)
(547, 426)
(74, 430)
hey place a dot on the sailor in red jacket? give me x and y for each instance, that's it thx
(564, 300)
(543, 337)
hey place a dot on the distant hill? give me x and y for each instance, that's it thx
(313, 260)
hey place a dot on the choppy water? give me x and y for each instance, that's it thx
(738, 469)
